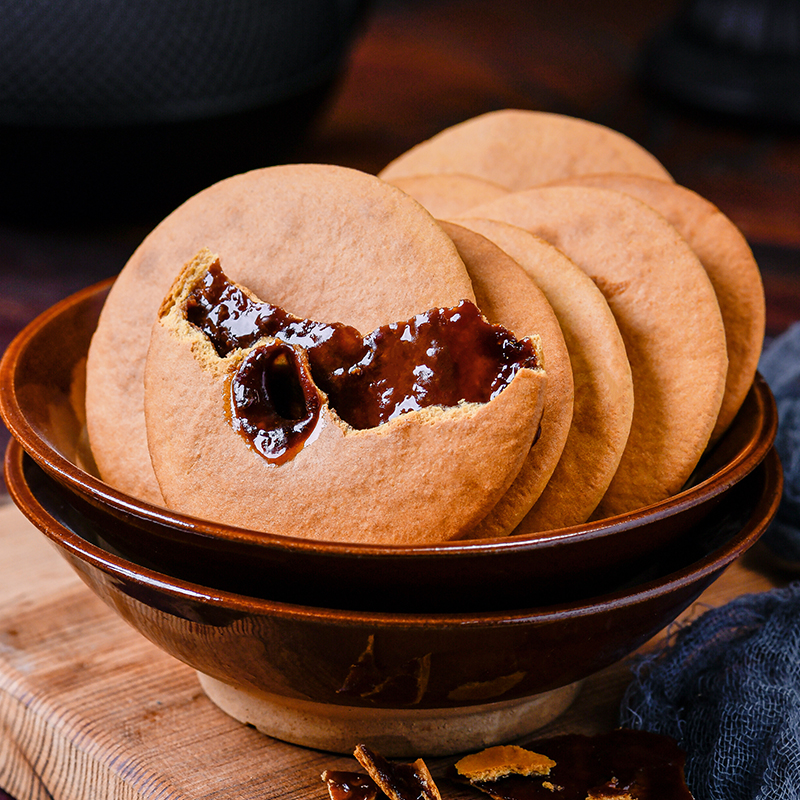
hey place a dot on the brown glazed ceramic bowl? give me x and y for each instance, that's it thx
(408, 683)
(41, 401)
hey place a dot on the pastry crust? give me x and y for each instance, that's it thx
(667, 314)
(518, 149)
(603, 386)
(507, 296)
(327, 242)
(729, 262)
(423, 477)
(501, 761)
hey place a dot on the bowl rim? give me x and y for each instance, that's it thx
(183, 527)
(71, 544)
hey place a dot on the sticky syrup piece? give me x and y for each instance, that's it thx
(441, 357)
(398, 781)
(274, 402)
(620, 765)
(344, 785)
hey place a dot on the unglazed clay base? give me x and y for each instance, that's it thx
(404, 733)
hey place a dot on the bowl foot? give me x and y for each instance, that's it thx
(392, 732)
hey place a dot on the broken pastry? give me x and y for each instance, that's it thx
(502, 760)
(327, 242)
(396, 780)
(277, 423)
(622, 764)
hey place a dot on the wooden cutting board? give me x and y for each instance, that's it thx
(91, 710)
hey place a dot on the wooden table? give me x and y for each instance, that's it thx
(88, 708)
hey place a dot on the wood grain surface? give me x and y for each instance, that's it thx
(89, 709)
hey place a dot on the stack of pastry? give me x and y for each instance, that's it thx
(613, 319)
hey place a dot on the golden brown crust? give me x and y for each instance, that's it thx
(507, 296)
(518, 149)
(729, 262)
(423, 477)
(497, 762)
(668, 316)
(325, 242)
(603, 409)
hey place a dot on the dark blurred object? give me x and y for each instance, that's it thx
(739, 57)
(112, 107)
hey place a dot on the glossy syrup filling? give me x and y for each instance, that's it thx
(441, 357)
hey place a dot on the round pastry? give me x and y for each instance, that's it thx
(263, 420)
(327, 242)
(668, 316)
(507, 296)
(518, 149)
(603, 409)
(448, 195)
(729, 262)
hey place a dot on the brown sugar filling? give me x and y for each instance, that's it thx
(274, 402)
(441, 357)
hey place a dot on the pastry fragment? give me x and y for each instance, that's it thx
(408, 435)
(503, 760)
(396, 780)
(622, 764)
(519, 149)
(384, 779)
